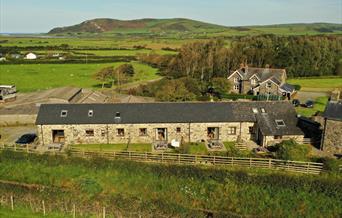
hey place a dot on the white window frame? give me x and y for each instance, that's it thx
(64, 113)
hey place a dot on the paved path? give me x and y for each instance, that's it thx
(304, 95)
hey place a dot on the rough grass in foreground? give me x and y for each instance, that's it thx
(173, 190)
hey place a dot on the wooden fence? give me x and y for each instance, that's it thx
(173, 158)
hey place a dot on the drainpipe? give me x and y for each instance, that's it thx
(107, 134)
(189, 133)
(323, 135)
(240, 129)
(41, 130)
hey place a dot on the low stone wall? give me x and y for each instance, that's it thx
(17, 119)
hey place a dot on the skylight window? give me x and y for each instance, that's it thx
(90, 113)
(280, 123)
(64, 113)
(263, 110)
(255, 110)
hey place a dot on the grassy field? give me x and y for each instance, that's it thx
(25, 212)
(33, 77)
(171, 190)
(319, 106)
(317, 84)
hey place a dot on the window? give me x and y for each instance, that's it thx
(253, 82)
(90, 113)
(236, 87)
(142, 132)
(280, 123)
(255, 110)
(269, 85)
(89, 132)
(178, 129)
(120, 132)
(236, 79)
(278, 137)
(64, 113)
(103, 132)
(232, 131)
(117, 115)
(263, 110)
(251, 130)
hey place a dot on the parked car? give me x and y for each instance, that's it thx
(26, 139)
(260, 150)
(309, 104)
(295, 102)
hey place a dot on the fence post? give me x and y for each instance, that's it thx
(43, 207)
(214, 160)
(269, 163)
(178, 158)
(307, 168)
(114, 155)
(27, 149)
(12, 203)
(162, 157)
(129, 155)
(145, 156)
(232, 161)
(250, 162)
(103, 212)
(74, 211)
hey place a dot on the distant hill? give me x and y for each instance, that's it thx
(181, 27)
(142, 25)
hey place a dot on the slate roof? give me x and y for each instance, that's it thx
(287, 87)
(134, 113)
(263, 73)
(333, 111)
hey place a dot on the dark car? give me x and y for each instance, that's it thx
(295, 102)
(309, 104)
(26, 139)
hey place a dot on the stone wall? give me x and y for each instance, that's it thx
(273, 90)
(270, 140)
(332, 139)
(103, 134)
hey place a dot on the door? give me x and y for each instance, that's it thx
(58, 136)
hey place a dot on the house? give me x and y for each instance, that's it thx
(2, 59)
(261, 81)
(7, 93)
(332, 133)
(263, 122)
(30, 56)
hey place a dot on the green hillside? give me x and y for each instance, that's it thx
(186, 28)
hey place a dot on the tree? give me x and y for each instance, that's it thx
(220, 85)
(104, 75)
(126, 69)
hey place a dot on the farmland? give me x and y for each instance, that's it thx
(169, 189)
(317, 84)
(33, 77)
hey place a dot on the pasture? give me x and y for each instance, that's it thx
(171, 190)
(33, 77)
(317, 84)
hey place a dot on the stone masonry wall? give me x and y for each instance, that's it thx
(103, 134)
(333, 137)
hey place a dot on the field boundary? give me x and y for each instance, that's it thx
(190, 159)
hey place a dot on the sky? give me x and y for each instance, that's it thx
(38, 16)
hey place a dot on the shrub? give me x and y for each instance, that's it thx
(291, 150)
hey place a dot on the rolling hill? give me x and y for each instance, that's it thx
(181, 27)
(103, 25)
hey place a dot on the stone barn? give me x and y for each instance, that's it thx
(263, 122)
(332, 133)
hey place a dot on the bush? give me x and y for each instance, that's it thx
(331, 164)
(291, 150)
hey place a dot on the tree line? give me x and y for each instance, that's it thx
(301, 56)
